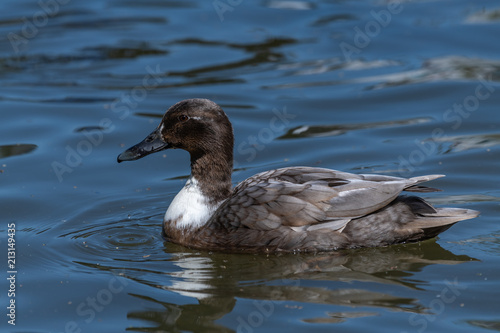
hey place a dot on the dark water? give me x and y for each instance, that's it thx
(403, 89)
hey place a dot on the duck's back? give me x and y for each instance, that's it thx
(316, 209)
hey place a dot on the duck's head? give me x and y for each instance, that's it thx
(198, 126)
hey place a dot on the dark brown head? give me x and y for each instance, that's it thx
(198, 126)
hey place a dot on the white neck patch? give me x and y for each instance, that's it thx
(190, 207)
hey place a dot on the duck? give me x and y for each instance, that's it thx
(291, 209)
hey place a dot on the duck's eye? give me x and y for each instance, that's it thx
(183, 118)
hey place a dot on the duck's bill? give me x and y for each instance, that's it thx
(151, 144)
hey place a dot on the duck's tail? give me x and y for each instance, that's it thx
(415, 187)
(433, 223)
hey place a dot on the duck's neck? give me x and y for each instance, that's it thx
(208, 186)
(213, 173)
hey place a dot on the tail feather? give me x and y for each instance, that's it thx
(443, 216)
(432, 221)
(421, 189)
(406, 219)
(434, 224)
(427, 178)
(414, 187)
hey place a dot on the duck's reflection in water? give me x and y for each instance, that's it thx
(351, 279)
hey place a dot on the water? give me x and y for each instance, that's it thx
(361, 86)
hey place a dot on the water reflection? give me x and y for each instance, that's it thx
(17, 149)
(350, 279)
(462, 199)
(263, 52)
(308, 131)
(180, 318)
(449, 68)
(111, 22)
(328, 19)
(484, 16)
(291, 5)
(129, 51)
(466, 142)
(488, 324)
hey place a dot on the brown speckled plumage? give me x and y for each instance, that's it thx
(289, 209)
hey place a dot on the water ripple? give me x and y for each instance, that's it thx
(311, 131)
(449, 68)
(16, 149)
(467, 142)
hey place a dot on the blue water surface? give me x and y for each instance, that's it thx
(401, 88)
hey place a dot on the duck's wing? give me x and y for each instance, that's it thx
(305, 198)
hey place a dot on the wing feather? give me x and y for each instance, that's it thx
(305, 198)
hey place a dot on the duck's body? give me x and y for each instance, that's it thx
(289, 209)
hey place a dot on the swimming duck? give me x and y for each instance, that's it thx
(284, 210)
